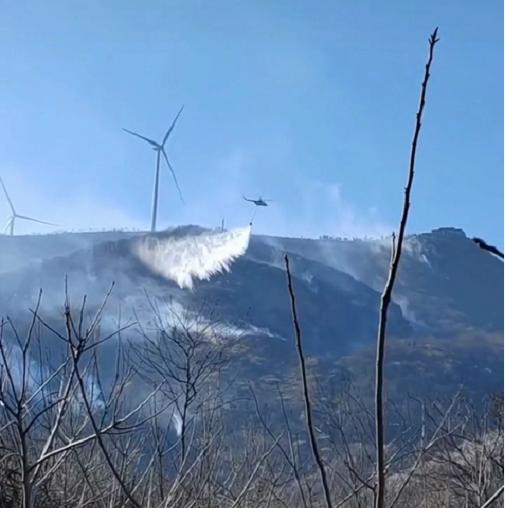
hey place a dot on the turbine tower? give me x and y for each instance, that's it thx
(14, 215)
(160, 150)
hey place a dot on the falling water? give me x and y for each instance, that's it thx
(193, 256)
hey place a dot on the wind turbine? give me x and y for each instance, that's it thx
(14, 215)
(160, 150)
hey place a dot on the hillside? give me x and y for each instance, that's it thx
(448, 290)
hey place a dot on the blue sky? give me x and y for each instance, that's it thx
(310, 104)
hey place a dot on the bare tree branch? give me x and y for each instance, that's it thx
(306, 396)
(493, 498)
(388, 289)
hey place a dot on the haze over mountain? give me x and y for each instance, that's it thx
(449, 292)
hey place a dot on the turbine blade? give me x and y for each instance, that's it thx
(173, 173)
(250, 200)
(150, 141)
(7, 196)
(8, 225)
(25, 217)
(171, 128)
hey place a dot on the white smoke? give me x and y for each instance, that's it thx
(199, 256)
(177, 422)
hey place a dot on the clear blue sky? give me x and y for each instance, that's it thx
(310, 104)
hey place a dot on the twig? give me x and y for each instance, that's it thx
(493, 498)
(388, 289)
(254, 471)
(306, 397)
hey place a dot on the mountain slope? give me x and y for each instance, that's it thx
(449, 292)
(445, 284)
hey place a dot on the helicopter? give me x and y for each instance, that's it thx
(258, 202)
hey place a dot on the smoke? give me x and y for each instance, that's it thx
(177, 422)
(193, 256)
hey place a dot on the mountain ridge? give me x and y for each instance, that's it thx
(448, 292)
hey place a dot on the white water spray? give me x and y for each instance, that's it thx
(194, 256)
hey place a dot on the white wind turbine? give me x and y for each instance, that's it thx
(160, 150)
(9, 227)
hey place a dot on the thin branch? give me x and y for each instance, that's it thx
(254, 471)
(493, 498)
(306, 397)
(388, 289)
